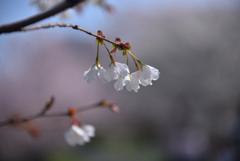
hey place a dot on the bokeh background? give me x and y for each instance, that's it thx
(190, 114)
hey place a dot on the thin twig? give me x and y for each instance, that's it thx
(16, 26)
(43, 115)
(80, 109)
(66, 25)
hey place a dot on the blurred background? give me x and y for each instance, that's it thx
(192, 113)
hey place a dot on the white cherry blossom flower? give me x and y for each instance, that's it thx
(111, 73)
(154, 73)
(89, 129)
(102, 75)
(115, 72)
(76, 135)
(90, 74)
(132, 83)
(79, 136)
(147, 74)
(122, 69)
(119, 84)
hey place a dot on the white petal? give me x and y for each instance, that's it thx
(122, 69)
(146, 72)
(118, 85)
(144, 82)
(69, 137)
(111, 73)
(127, 82)
(81, 135)
(102, 74)
(128, 86)
(75, 135)
(90, 74)
(137, 73)
(135, 84)
(89, 129)
(155, 73)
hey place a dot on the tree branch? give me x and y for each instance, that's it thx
(41, 114)
(16, 26)
(76, 27)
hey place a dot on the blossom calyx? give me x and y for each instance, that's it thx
(72, 112)
(125, 46)
(117, 40)
(99, 40)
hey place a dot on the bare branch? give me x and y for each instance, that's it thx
(13, 121)
(16, 26)
(76, 27)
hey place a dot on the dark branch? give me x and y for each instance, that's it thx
(16, 26)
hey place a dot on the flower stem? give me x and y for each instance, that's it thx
(127, 58)
(132, 55)
(97, 58)
(134, 59)
(111, 57)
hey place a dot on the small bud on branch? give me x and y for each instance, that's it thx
(49, 104)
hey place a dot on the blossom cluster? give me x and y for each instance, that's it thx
(120, 72)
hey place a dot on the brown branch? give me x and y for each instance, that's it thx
(76, 27)
(16, 26)
(43, 114)
(80, 109)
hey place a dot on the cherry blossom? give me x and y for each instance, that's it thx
(90, 74)
(89, 129)
(147, 74)
(117, 71)
(111, 73)
(105, 75)
(132, 83)
(102, 75)
(79, 135)
(120, 83)
(122, 69)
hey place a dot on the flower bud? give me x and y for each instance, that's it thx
(99, 33)
(117, 40)
(113, 107)
(98, 40)
(72, 111)
(49, 104)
